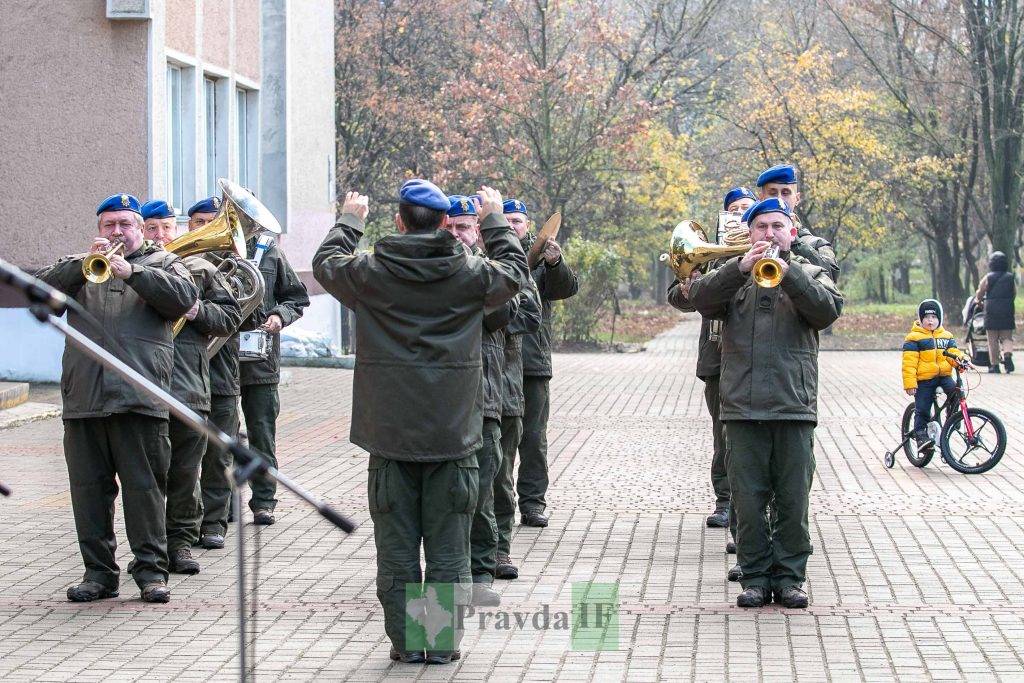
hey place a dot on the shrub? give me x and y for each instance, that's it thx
(599, 269)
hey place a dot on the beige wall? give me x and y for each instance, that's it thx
(217, 32)
(180, 22)
(247, 38)
(73, 123)
(311, 211)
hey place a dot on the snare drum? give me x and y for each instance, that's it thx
(253, 346)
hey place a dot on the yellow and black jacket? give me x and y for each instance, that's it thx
(922, 355)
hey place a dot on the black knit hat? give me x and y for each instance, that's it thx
(998, 263)
(929, 306)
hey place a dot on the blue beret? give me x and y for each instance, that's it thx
(119, 202)
(735, 194)
(157, 208)
(208, 205)
(770, 205)
(780, 173)
(514, 206)
(423, 193)
(461, 206)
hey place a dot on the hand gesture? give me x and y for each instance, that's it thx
(911, 391)
(99, 244)
(551, 252)
(273, 325)
(356, 204)
(490, 202)
(685, 285)
(119, 267)
(753, 256)
(193, 312)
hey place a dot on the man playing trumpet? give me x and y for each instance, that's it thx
(769, 383)
(112, 432)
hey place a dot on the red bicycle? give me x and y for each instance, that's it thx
(972, 440)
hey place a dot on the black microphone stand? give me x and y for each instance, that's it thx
(46, 301)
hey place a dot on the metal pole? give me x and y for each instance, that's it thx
(236, 504)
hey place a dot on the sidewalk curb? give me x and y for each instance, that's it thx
(339, 362)
(27, 412)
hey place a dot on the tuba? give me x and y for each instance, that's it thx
(240, 217)
(691, 250)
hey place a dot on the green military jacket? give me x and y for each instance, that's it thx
(769, 338)
(137, 315)
(817, 251)
(219, 315)
(286, 296)
(419, 302)
(524, 319)
(554, 283)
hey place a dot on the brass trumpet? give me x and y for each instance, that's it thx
(96, 266)
(767, 272)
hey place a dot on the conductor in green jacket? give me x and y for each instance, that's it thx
(769, 392)
(417, 404)
(114, 434)
(555, 281)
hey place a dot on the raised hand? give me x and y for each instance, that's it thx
(356, 204)
(490, 202)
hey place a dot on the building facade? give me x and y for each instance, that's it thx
(159, 98)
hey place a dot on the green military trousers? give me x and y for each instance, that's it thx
(483, 538)
(261, 406)
(771, 462)
(504, 486)
(184, 504)
(532, 485)
(134, 450)
(421, 503)
(719, 473)
(214, 480)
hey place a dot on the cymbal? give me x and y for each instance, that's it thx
(548, 232)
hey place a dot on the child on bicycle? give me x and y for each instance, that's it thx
(926, 369)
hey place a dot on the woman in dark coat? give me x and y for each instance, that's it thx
(998, 290)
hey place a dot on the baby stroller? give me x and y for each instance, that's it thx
(976, 341)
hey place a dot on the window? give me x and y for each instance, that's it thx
(210, 96)
(242, 126)
(175, 139)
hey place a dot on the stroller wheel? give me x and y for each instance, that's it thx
(890, 459)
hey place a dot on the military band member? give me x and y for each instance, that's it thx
(526, 320)
(709, 365)
(284, 300)
(780, 182)
(419, 301)
(769, 382)
(215, 314)
(555, 281)
(114, 434)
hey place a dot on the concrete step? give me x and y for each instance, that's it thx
(27, 412)
(13, 394)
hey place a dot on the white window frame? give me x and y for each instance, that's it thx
(180, 187)
(246, 128)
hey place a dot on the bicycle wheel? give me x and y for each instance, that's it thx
(973, 456)
(910, 446)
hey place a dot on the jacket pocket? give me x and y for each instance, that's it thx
(377, 487)
(465, 486)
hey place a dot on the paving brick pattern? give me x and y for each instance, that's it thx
(916, 574)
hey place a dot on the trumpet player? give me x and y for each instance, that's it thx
(769, 381)
(709, 363)
(113, 433)
(215, 313)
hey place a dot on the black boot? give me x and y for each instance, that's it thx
(755, 596)
(735, 573)
(719, 519)
(1008, 362)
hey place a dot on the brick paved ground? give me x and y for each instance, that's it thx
(917, 574)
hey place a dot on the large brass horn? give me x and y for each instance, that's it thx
(240, 217)
(691, 250)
